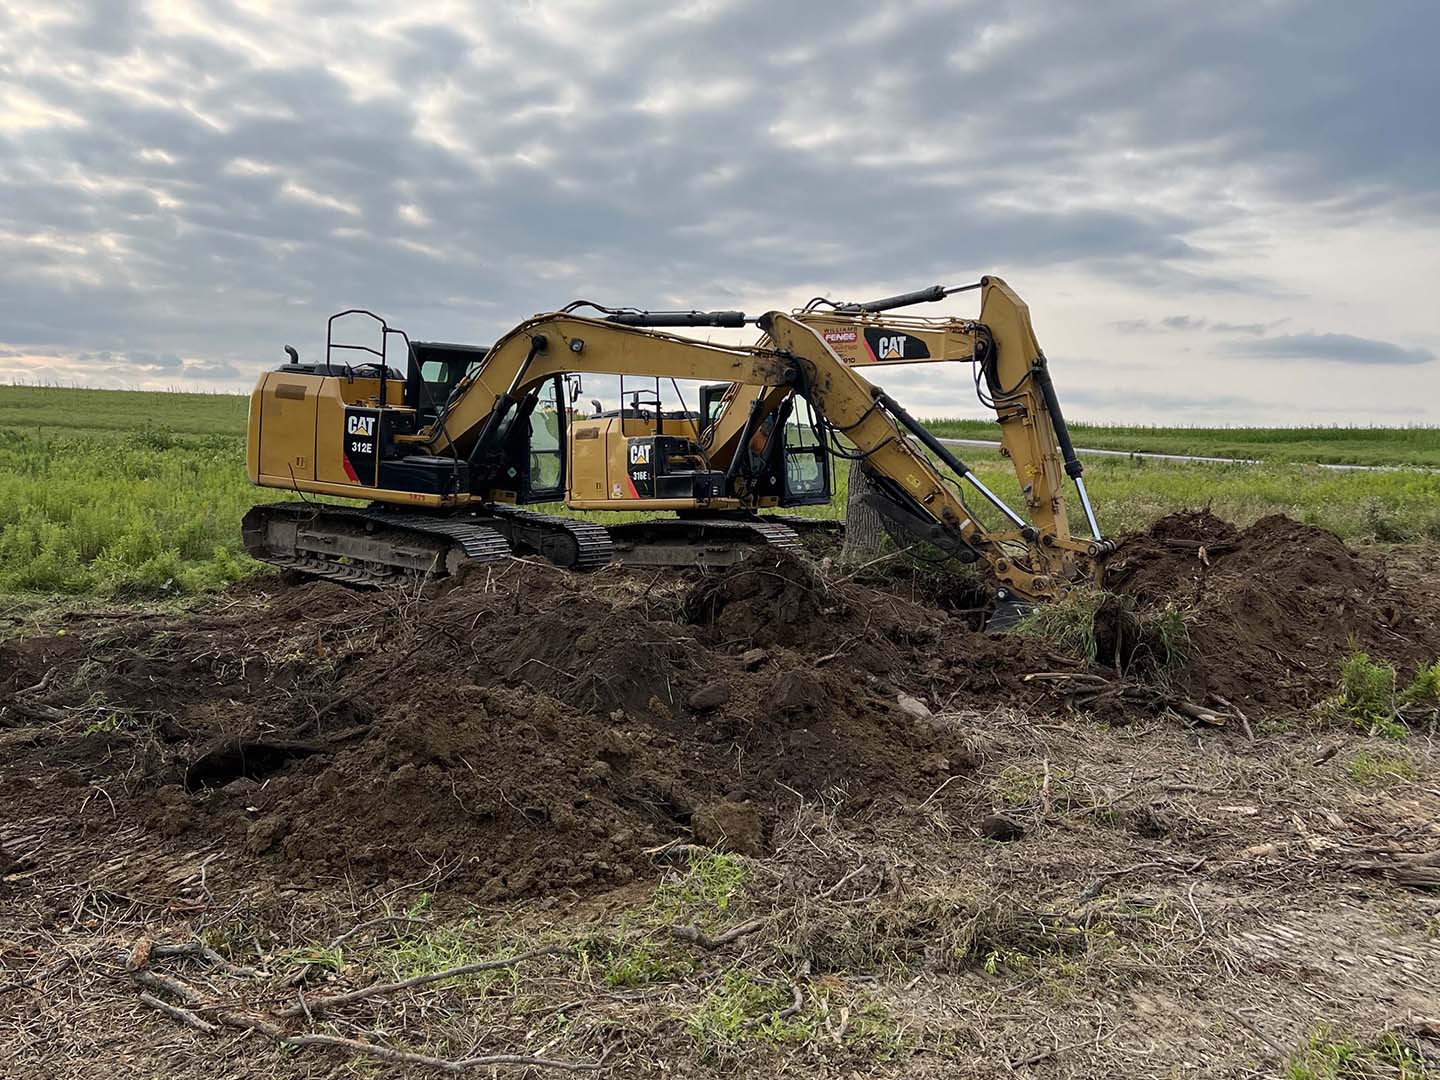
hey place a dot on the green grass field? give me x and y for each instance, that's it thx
(139, 494)
(1418, 446)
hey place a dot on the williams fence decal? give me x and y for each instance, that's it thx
(893, 345)
(362, 432)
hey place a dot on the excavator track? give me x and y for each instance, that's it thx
(367, 546)
(808, 524)
(703, 542)
(575, 545)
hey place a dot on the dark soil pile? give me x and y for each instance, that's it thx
(518, 733)
(1272, 610)
(527, 730)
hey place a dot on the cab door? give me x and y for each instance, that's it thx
(545, 460)
(804, 462)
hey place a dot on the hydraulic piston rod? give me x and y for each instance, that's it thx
(940, 450)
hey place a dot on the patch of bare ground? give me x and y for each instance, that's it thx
(770, 823)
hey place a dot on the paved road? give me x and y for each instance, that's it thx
(986, 444)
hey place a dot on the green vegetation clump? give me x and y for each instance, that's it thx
(1367, 691)
(1091, 621)
(710, 882)
(1368, 697)
(1424, 689)
(1379, 770)
(1329, 1056)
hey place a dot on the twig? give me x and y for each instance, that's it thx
(695, 936)
(833, 889)
(1190, 899)
(1046, 1055)
(247, 1022)
(200, 949)
(939, 789)
(320, 1005)
(196, 1000)
(185, 1016)
(348, 934)
(1244, 1022)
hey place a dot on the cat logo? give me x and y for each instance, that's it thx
(892, 347)
(886, 344)
(360, 425)
(640, 452)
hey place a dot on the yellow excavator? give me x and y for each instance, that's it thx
(448, 451)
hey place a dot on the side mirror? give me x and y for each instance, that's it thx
(574, 389)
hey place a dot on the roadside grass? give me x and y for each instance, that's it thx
(1415, 445)
(139, 495)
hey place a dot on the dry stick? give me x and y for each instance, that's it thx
(385, 1053)
(196, 1000)
(696, 936)
(1045, 1055)
(1240, 1017)
(185, 1016)
(833, 889)
(200, 949)
(246, 1022)
(324, 1004)
(938, 790)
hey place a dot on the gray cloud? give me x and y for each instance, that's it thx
(211, 188)
(1340, 348)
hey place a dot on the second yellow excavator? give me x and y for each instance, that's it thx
(448, 451)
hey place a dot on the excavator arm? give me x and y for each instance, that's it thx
(1014, 381)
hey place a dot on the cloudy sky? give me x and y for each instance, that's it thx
(1218, 212)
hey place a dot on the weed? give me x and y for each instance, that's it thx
(329, 957)
(1328, 1056)
(1379, 770)
(441, 947)
(1172, 634)
(1424, 689)
(1384, 524)
(639, 965)
(105, 723)
(710, 882)
(1367, 695)
(1069, 624)
(742, 1009)
(1020, 785)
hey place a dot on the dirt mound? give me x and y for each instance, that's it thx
(527, 730)
(1272, 610)
(519, 732)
